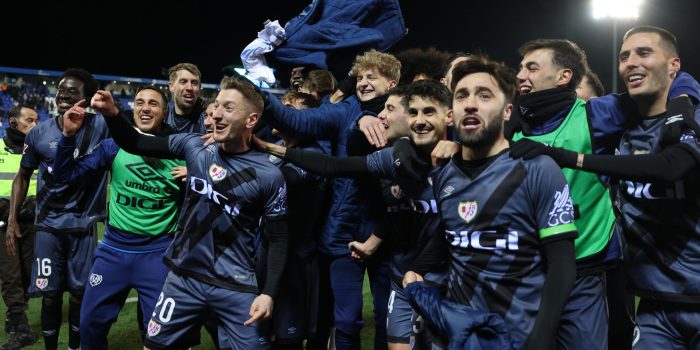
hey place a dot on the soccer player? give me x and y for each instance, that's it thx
(142, 217)
(356, 208)
(186, 110)
(658, 188)
(297, 310)
(15, 270)
(509, 227)
(231, 191)
(66, 214)
(423, 108)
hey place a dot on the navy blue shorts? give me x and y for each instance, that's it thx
(184, 301)
(404, 325)
(584, 321)
(296, 306)
(62, 261)
(664, 325)
(114, 273)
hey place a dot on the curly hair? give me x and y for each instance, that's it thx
(429, 62)
(504, 76)
(385, 63)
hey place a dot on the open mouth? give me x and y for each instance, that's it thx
(145, 118)
(470, 123)
(636, 79)
(525, 89)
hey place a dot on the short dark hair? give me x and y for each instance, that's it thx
(401, 91)
(666, 36)
(90, 84)
(16, 111)
(321, 81)
(504, 76)
(305, 99)
(594, 83)
(418, 61)
(163, 96)
(247, 90)
(430, 89)
(566, 55)
(452, 58)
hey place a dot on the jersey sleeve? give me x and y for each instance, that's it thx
(181, 145)
(688, 136)
(275, 192)
(30, 155)
(67, 169)
(554, 210)
(381, 163)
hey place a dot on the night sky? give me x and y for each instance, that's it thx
(141, 39)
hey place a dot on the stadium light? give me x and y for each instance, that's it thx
(616, 10)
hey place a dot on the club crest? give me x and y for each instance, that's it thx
(396, 191)
(42, 283)
(216, 172)
(467, 210)
(153, 328)
(95, 279)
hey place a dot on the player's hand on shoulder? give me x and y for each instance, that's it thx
(444, 150)
(260, 309)
(411, 277)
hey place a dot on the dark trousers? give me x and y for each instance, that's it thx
(15, 271)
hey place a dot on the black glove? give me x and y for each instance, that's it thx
(409, 164)
(28, 209)
(680, 118)
(528, 149)
(512, 125)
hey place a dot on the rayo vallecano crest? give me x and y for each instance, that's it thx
(467, 210)
(396, 191)
(217, 172)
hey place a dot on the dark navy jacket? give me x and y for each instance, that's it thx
(356, 206)
(328, 32)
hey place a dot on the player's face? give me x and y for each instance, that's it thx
(447, 80)
(480, 107)
(538, 71)
(26, 121)
(645, 66)
(185, 89)
(69, 91)
(428, 121)
(394, 118)
(209, 118)
(371, 84)
(149, 111)
(232, 116)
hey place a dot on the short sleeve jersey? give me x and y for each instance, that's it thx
(495, 225)
(227, 199)
(413, 212)
(68, 207)
(661, 222)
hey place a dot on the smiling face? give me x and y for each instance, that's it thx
(185, 89)
(647, 67)
(69, 91)
(394, 118)
(233, 117)
(538, 71)
(371, 84)
(209, 118)
(480, 107)
(149, 110)
(428, 120)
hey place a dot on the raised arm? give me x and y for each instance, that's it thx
(124, 134)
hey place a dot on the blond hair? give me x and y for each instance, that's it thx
(386, 64)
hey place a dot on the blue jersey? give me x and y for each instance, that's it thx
(193, 122)
(308, 200)
(661, 222)
(413, 213)
(68, 207)
(227, 195)
(495, 225)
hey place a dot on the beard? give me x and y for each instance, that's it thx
(485, 137)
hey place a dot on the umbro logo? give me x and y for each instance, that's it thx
(144, 172)
(448, 190)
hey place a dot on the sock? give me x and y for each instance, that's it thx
(51, 321)
(74, 321)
